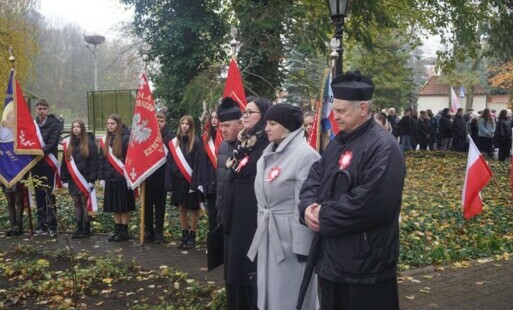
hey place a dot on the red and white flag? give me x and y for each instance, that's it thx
(455, 104)
(233, 87)
(477, 176)
(146, 151)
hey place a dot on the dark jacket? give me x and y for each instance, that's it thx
(88, 167)
(424, 131)
(459, 127)
(157, 178)
(105, 170)
(196, 160)
(51, 133)
(446, 126)
(406, 126)
(503, 130)
(224, 178)
(211, 177)
(359, 227)
(394, 121)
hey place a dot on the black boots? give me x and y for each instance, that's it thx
(159, 236)
(14, 231)
(78, 232)
(86, 232)
(185, 239)
(123, 234)
(188, 240)
(149, 235)
(117, 228)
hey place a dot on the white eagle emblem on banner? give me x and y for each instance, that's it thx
(140, 133)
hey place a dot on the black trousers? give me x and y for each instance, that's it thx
(45, 201)
(340, 296)
(241, 297)
(155, 200)
(212, 211)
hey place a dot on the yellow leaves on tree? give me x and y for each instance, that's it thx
(18, 29)
(503, 77)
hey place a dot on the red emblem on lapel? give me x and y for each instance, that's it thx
(273, 174)
(242, 163)
(345, 160)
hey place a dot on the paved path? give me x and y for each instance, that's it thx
(485, 285)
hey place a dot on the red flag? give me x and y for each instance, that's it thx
(26, 141)
(233, 87)
(146, 150)
(314, 137)
(477, 176)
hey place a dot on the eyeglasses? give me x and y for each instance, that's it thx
(249, 113)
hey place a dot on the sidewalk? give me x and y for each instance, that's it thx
(480, 286)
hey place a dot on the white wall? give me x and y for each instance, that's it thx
(437, 103)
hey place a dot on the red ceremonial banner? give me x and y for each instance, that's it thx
(233, 87)
(146, 151)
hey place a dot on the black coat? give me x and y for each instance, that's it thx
(196, 160)
(359, 227)
(459, 127)
(240, 220)
(211, 177)
(88, 167)
(424, 131)
(503, 130)
(157, 178)
(446, 126)
(224, 178)
(51, 133)
(105, 170)
(406, 126)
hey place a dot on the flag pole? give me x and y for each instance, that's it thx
(503, 195)
(143, 208)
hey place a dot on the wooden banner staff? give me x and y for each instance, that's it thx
(143, 208)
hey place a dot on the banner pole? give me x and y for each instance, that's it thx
(143, 208)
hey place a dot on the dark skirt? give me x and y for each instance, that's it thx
(181, 195)
(118, 197)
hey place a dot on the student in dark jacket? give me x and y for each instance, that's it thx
(240, 213)
(406, 130)
(433, 136)
(503, 135)
(49, 126)
(188, 186)
(211, 139)
(82, 149)
(414, 130)
(459, 139)
(155, 196)
(424, 129)
(118, 199)
(358, 220)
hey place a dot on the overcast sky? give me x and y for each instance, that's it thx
(95, 16)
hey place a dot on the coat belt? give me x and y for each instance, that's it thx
(267, 227)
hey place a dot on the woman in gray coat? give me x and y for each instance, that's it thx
(281, 242)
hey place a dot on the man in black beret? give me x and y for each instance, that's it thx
(352, 198)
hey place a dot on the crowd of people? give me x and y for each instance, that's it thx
(447, 131)
(283, 208)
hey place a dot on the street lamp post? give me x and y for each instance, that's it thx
(94, 40)
(338, 12)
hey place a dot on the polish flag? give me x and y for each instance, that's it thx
(477, 176)
(455, 104)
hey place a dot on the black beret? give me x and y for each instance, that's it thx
(352, 86)
(287, 115)
(228, 110)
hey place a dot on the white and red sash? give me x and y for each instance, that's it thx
(116, 162)
(210, 149)
(51, 160)
(180, 160)
(81, 182)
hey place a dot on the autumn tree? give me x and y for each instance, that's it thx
(18, 29)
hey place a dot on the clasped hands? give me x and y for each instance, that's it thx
(312, 217)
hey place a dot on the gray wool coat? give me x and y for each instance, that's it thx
(280, 235)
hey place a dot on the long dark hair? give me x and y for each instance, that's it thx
(487, 116)
(263, 105)
(117, 148)
(84, 141)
